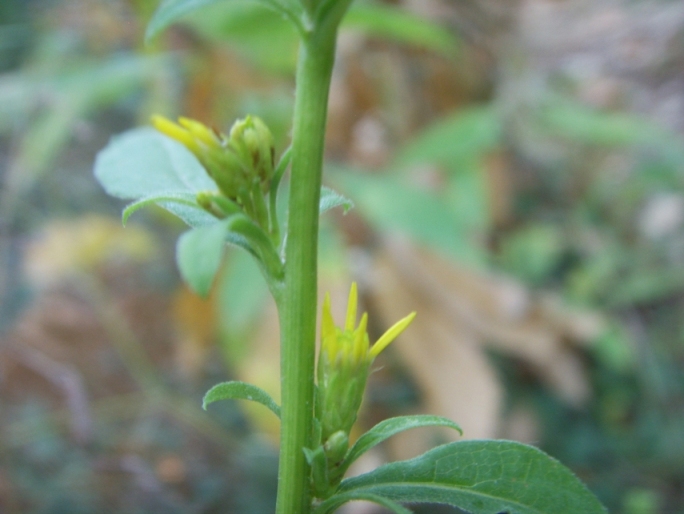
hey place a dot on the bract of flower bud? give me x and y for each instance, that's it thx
(344, 364)
(336, 447)
(252, 140)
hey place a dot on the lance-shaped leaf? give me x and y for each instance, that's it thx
(391, 22)
(187, 199)
(236, 390)
(481, 477)
(389, 427)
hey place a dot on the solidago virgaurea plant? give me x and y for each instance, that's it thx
(225, 187)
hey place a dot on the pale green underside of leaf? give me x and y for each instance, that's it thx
(186, 199)
(331, 199)
(240, 391)
(481, 477)
(194, 216)
(389, 427)
(142, 162)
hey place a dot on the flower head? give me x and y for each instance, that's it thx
(344, 364)
(238, 162)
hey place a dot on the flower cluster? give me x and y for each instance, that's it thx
(344, 365)
(241, 163)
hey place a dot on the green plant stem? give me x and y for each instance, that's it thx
(298, 302)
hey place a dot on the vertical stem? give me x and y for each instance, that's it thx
(298, 302)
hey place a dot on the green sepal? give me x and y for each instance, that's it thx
(236, 390)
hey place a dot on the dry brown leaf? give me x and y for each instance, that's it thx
(441, 354)
(460, 313)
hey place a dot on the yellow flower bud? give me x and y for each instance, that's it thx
(241, 164)
(344, 365)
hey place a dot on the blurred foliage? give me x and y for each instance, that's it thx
(105, 356)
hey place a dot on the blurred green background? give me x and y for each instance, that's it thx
(518, 174)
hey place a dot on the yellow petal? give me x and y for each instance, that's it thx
(174, 131)
(327, 322)
(391, 335)
(200, 131)
(351, 309)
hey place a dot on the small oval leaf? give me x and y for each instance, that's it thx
(236, 390)
(198, 253)
(389, 427)
(481, 477)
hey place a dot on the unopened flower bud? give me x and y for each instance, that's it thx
(344, 365)
(236, 162)
(253, 142)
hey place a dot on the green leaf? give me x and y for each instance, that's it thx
(338, 500)
(240, 391)
(458, 138)
(198, 253)
(481, 477)
(389, 427)
(391, 205)
(181, 198)
(253, 29)
(389, 22)
(142, 162)
(171, 11)
(193, 216)
(331, 199)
